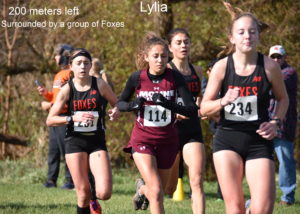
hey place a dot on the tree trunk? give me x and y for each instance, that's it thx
(6, 111)
(163, 21)
(9, 45)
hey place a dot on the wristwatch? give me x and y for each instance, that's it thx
(69, 119)
(278, 122)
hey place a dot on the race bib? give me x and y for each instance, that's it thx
(86, 126)
(179, 100)
(242, 109)
(156, 116)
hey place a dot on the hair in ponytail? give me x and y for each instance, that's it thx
(149, 40)
(235, 14)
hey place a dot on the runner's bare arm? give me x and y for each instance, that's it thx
(53, 118)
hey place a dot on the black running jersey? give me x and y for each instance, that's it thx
(192, 80)
(191, 125)
(90, 101)
(250, 109)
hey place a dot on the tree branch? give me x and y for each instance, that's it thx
(15, 140)
(5, 70)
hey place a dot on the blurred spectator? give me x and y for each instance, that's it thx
(57, 134)
(98, 71)
(283, 143)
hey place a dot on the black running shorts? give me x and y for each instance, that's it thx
(85, 143)
(190, 138)
(248, 144)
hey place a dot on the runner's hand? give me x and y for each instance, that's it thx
(267, 130)
(158, 98)
(113, 113)
(137, 103)
(231, 95)
(83, 117)
(41, 90)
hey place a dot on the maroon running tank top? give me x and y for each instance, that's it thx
(154, 123)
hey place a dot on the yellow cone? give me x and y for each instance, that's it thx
(178, 195)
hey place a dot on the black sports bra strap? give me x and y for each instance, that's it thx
(173, 66)
(193, 71)
(94, 83)
(71, 85)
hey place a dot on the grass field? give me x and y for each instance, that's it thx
(21, 192)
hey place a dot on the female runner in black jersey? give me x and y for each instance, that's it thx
(242, 143)
(154, 139)
(85, 137)
(189, 129)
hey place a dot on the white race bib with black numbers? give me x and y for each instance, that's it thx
(156, 116)
(86, 126)
(242, 109)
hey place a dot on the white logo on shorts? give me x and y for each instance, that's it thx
(142, 148)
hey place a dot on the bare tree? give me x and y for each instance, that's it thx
(163, 21)
(10, 41)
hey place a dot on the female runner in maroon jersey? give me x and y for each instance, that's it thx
(189, 129)
(242, 143)
(154, 138)
(85, 137)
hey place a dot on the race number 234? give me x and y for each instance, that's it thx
(242, 109)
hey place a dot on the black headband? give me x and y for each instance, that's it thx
(82, 53)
